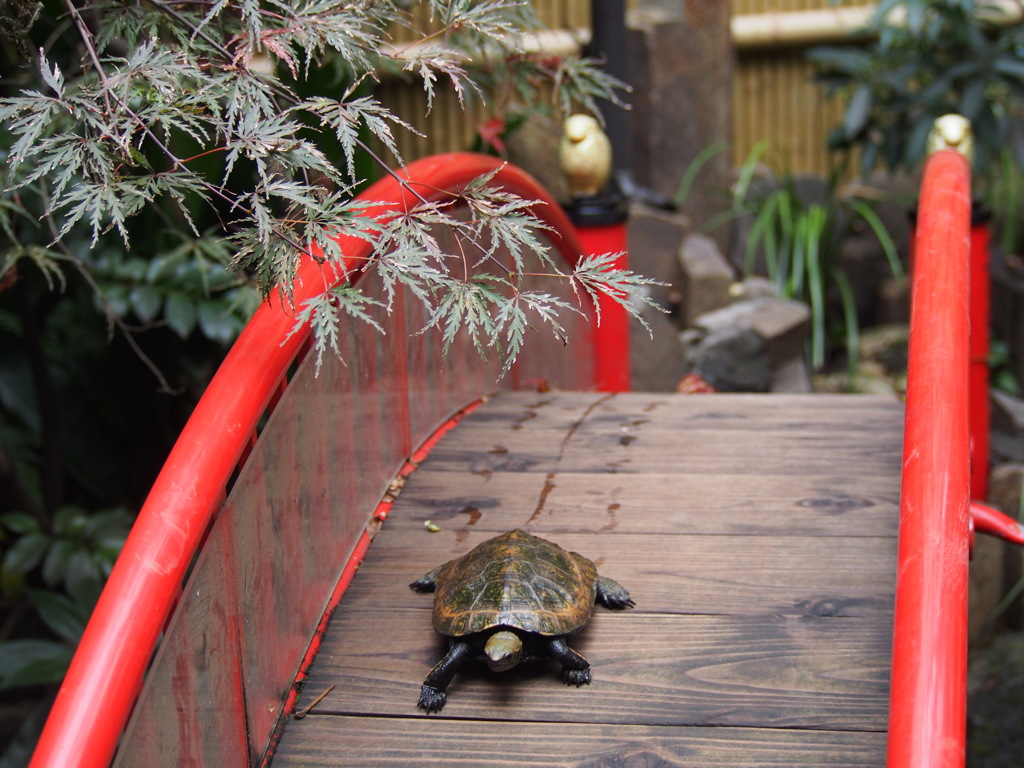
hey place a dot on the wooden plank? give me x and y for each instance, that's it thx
(711, 503)
(337, 742)
(814, 434)
(764, 671)
(715, 575)
(562, 410)
(780, 452)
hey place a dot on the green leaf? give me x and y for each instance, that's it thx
(26, 553)
(54, 78)
(69, 521)
(55, 565)
(32, 662)
(180, 312)
(323, 313)
(747, 171)
(857, 112)
(65, 617)
(116, 297)
(20, 522)
(869, 215)
(850, 323)
(1011, 66)
(108, 523)
(816, 284)
(146, 302)
(689, 177)
(84, 580)
(845, 59)
(217, 322)
(973, 99)
(18, 752)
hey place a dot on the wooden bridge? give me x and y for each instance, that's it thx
(756, 533)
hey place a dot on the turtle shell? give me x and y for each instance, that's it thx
(515, 580)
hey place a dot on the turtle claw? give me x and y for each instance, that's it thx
(576, 677)
(431, 699)
(422, 585)
(618, 603)
(613, 595)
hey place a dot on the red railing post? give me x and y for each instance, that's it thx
(927, 714)
(979, 351)
(611, 335)
(599, 210)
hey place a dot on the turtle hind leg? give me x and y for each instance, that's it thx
(611, 594)
(575, 668)
(432, 694)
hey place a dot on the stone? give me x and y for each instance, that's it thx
(985, 589)
(1007, 413)
(705, 278)
(1007, 311)
(792, 376)
(657, 360)
(732, 360)
(534, 148)
(893, 301)
(680, 54)
(862, 258)
(783, 324)
(1007, 419)
(780, 326)
(1005, 484)
(654, 239)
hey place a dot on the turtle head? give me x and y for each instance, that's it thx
(504, 650)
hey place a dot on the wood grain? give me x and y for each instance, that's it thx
(780, 451)
(757, 535)
(712, 503)
(560, 410)
(716, 575)
(645, 434)
(763, 671)
(336, 742)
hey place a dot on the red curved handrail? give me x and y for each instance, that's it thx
(927, 709)
(106, 673)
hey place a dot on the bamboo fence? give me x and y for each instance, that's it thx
(774, 96)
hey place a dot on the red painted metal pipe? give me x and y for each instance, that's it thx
(104, 678)
(611, 335)
(986, 519)
(979, 351)
(927, 713)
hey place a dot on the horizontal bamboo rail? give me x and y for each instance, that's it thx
(832, 24)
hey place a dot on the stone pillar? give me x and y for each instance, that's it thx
(681, 63)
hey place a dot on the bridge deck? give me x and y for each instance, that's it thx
(757, 535)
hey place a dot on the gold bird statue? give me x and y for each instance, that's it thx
(585, 154)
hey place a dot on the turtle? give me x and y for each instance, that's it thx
(512, 598)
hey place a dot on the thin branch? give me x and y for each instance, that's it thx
(196, 31)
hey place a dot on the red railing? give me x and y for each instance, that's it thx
(928, 700)
(104, 679)
(927, 713)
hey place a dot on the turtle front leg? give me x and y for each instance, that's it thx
(425, 583)
(575, 668)
(611, 594)
(432, 694)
